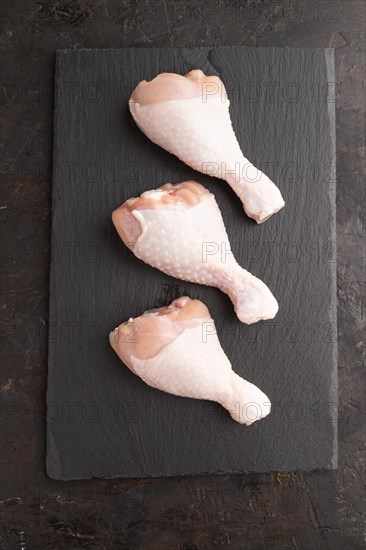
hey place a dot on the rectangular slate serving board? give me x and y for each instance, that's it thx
(102, 420)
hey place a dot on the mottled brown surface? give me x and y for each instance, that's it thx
(300, 511)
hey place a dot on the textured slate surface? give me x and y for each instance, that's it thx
(103, 421)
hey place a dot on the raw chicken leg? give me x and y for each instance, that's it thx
(189, 117)
(176, 349)
(179, 230)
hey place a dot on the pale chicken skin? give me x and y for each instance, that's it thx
(176, 350)
(189, 117)
(179, 230)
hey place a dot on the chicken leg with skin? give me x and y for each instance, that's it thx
(189, 117)
(176, 349)
(179, 230)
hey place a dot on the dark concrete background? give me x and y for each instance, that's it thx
(299, 511)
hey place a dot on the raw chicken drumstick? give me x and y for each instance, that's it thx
(176, 349)
(189, 117)
(179, 230)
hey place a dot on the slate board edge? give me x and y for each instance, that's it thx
(185, 475)
(333, 390)
(53, 465)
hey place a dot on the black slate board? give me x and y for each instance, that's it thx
(102, 420)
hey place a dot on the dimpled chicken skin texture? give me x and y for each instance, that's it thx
(189, 117)
(176, 349)
(179, 229)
